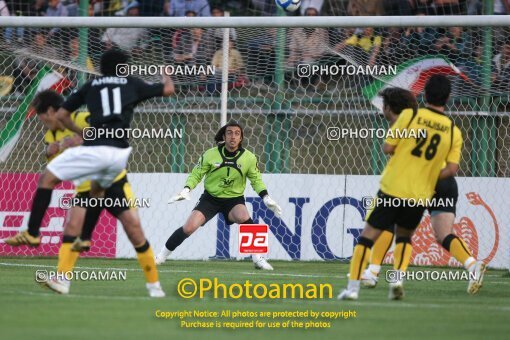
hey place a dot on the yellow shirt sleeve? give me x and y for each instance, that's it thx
(401, 124)
(80, 118)
(456, 149)
(377, 40)
(352, 41)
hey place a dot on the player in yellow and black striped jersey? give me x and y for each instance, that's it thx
(408, 181)
(442, 216)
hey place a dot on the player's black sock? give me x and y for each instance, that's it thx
(40, 204)
(176, 239)
(91, 218)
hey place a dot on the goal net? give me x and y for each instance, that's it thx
(307, 98)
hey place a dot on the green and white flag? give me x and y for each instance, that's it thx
(412, 75)
(46, 78)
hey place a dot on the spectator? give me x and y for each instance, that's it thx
(418, 40)
(16, 8)
(501, 7)
(317, 4)
(213, 37)
(425, 7)
(307, 45)
(261, 55)
(364, 43)
(398, 7)
(179, 8)
(365, 7)
(392, 47)
(4, 10)
(72, 8)
(186, 43)
(58, 38)
(75, 54)
(23, 74)
(453, 44)
(474, 7)
(127, 38)
(56, 9)
(37, 8)
(236, 69)
(501, 68)
(447, 7)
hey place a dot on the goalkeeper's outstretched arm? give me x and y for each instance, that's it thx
(258, 185)
(195, 177)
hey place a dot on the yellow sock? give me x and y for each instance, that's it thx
(459, 250)
(360, 257)
(66, 258)
(402, 255)
(381, 247)
(146, 260)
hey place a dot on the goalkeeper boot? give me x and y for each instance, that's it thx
(475, 283)
(261, 263)
(396, 290)
(348, 294)
(369, 279)
(155, 290)
(162, 256)
(60, 286)
(80, 245)
(23, 238)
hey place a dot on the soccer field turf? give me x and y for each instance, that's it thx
(122, 309)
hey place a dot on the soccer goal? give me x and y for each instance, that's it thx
(305, 90)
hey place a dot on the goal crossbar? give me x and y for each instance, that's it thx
(326, 21)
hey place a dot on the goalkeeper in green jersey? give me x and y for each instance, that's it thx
(225, 168)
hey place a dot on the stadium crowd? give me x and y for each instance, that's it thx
(253, 56)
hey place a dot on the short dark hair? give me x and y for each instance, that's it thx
(398, 99)
(46, 99)
(220, 135)
(110, 59)
(437, 90)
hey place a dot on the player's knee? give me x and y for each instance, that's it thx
(189, 228)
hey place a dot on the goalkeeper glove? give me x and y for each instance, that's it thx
(183, 195)
(272, 205)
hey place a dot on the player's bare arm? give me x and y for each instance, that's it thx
(449, 170)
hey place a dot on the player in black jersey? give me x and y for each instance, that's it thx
(104, 153)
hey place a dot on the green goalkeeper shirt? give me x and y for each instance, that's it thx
(225, 173)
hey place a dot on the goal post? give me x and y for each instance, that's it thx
(304, 88)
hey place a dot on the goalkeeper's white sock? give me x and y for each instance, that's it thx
(255, 257)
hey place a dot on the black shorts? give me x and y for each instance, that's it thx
(210, 206)
(119, 191)
(446, 196)
(385, 217)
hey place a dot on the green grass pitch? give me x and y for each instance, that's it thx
(122, 309)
